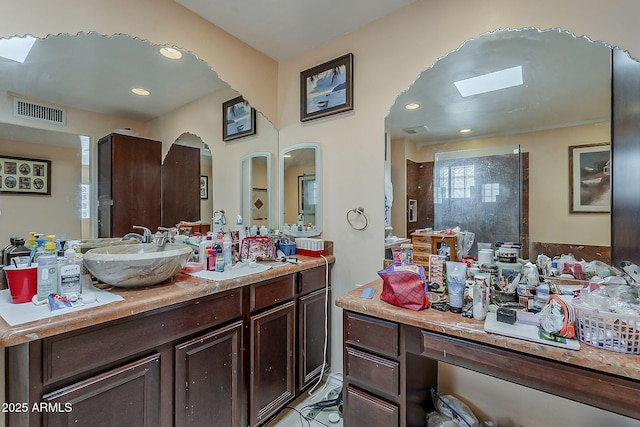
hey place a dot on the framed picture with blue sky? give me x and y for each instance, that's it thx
(327, 89)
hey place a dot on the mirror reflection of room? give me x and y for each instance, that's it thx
(172, 111)
(546, 110)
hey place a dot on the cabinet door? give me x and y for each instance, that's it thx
(181, 185)
(129, 172)
(126, 396)
(312, 309)
(208, 379)
(272, 361)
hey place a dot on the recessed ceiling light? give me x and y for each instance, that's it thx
(17, 48)
(465, 130)
(490, 82)
(171, 53)
(412, 106)
(140, 91)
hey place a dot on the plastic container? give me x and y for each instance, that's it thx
(22, 282)
(608, 331)
(287, 247)
(47, 278)
(70, 275)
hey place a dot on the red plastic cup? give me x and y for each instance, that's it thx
(22, 282)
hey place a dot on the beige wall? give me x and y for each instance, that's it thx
(389, 55)
(22, 213)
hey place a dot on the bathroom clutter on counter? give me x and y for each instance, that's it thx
(43, 269)
(561, 299)
(225, 249)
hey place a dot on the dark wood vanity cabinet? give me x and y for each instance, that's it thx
(233, 358)
(129, 184)
(177, 366)
(385, 385)
(287, 339)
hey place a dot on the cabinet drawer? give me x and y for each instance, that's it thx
(311, 280)
(69, 354)
(370, 333)
(417, 240)
(372, 371)
(422, 247)
(269, 293)
(364, 409)
(420, 259)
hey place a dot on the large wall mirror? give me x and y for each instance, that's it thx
(86, 80)
(545, 91)
(300, 190)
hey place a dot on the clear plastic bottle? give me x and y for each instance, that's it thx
(226, 249)
(219, 260)
(70, 273)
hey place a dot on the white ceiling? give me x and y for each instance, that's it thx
(284, 28)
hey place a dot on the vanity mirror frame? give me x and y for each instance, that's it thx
(318, 176)
(247, 219)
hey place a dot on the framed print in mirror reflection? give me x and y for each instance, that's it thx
(238, 119)
(204, 187)
(20, 175)
(327, 88)
(590, 178)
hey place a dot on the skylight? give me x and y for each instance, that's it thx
(490, 82)
(17, 48)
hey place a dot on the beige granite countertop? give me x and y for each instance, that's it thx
(624, 365)
(180, 288)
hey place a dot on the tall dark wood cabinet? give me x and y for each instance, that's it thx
(129, 184)
(181, 185)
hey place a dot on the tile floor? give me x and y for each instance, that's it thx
(299, 413)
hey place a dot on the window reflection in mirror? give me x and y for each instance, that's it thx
(256, 192)
(300, 190)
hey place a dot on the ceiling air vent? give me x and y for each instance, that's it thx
(36, 111)
(416, 129)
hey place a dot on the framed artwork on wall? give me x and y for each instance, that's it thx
(20, 175)
(204, 187)
(590, 178)
(238, 119)
(327, 88)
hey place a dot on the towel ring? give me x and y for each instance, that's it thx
(360, 212)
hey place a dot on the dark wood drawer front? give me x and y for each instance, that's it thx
(370, 333)
(267, 294)
(311, 280)
(69, 354)
(373, 371)
(363, 409)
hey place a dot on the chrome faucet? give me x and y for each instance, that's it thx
(145, 237)
(164, 235)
